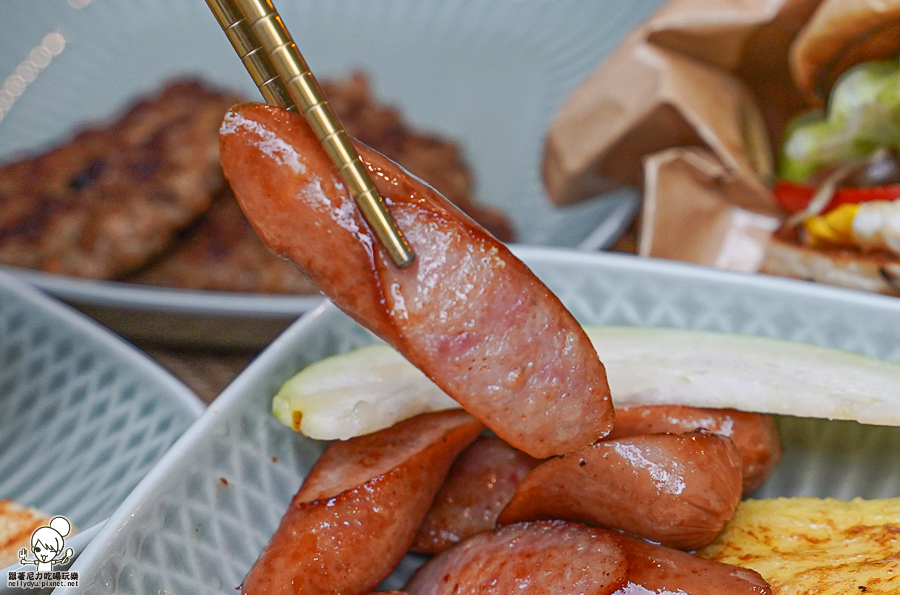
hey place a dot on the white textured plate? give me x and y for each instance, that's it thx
(199, 520)
(83, 415)
(490, 73)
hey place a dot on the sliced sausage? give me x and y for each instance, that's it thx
(357, 512)
(467, 312)
(541, 557)
(674, 489)
(662, 570)
(480, 483)
(754, 434)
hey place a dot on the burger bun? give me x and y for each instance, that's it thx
(839, 35)
(875, 272)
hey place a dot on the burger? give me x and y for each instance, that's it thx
(839, 163)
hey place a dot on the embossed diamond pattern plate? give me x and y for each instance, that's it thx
(201, 517)
(204, 514)
(83, 416)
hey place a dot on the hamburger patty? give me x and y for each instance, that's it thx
(144, 200)
(221, 252)
(113, 197)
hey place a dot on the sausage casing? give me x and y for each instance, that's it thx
(538, 557)
(754, 434)
(658, 569)
(480, 483)
(467, 312)
(674, 489)
(368, 494)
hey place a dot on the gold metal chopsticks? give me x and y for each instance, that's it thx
(271, 57)
(254, 58)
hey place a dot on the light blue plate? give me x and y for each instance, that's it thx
(83, 415)
(490, 74)
(199, 520)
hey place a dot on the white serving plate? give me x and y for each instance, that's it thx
(200, 518)
(490, 74)
(83, 415)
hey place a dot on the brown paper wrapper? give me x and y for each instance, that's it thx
(749, 38)
(643, 100)
(690, 107)
(690, 190)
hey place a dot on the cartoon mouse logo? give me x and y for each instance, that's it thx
(47, 544)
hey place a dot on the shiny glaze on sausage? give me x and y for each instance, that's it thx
(539, 557)
(467, 312)
(754, 434)
(654, 569)
(674, 489)
(480, 483)
(358, 510)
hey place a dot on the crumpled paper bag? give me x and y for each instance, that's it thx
(700, 194)
(710, 77)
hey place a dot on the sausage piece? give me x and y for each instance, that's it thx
(674, 489)
(541, 557)
(467, 312)
(364, 496)
(480, 483)
(754, 434)
(662, 570)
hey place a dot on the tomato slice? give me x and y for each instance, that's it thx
(794, 197)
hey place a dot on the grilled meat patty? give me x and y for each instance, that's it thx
(113, 197)
(221, 252)
(143, 199)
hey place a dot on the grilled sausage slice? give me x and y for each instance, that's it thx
(674, 489)
(467, 312)
(657, 569)
(754, 434)
(359, 508)
(480, 483)
(541, 557)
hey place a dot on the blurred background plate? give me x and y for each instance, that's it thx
(200, 519)
(489, 74)
(83, 415)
